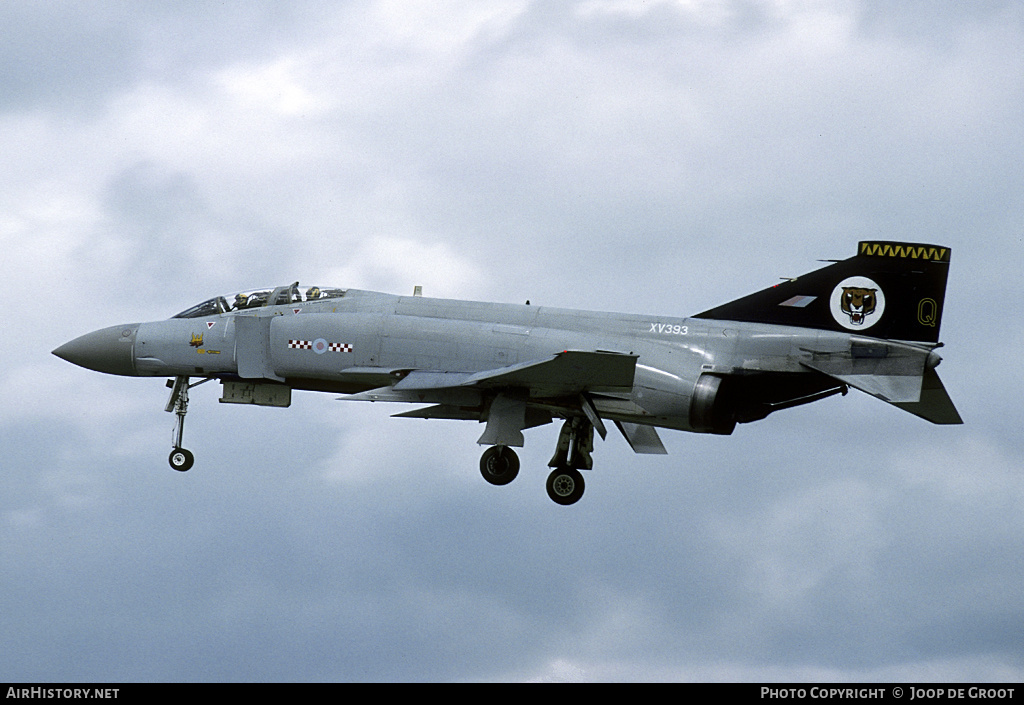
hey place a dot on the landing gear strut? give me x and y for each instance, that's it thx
(180, 459)
(575, 444)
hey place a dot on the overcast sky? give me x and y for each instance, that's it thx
(648, 157)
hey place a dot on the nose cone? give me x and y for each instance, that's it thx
(106, 350)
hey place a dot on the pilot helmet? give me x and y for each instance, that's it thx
(241, 300)
(313, 293)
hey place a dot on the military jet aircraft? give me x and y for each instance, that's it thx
(870, 322)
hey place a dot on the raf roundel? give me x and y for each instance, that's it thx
(319, 346)
(857, 303)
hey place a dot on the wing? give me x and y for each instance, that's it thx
(514, 397)
(566, 373)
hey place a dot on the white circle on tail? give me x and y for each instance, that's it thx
(857, 303)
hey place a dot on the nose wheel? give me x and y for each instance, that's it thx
(181, 459)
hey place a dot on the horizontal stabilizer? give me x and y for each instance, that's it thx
(642, 439)
(922, 396)
(887, 370)
(895, 389)
(935, 404)
(888, 388)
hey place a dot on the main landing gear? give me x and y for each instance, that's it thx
(499, 464)
(575, 444)
(180, 459)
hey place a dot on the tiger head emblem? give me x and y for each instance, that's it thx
(858, 303)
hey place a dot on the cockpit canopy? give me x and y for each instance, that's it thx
(257, 298)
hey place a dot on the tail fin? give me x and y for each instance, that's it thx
(889, 290)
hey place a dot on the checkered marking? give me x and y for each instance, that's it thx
(320, 346)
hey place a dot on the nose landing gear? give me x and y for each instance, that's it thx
(180, 459)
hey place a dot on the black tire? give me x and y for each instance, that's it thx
(565, 486)
(499, 465)
(181, 459)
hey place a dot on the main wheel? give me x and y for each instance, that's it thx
(181, 459)
(499, 465)
(565, 486)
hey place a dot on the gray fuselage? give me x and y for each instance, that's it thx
(365, 340)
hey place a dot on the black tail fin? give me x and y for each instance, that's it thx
(890, 290)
